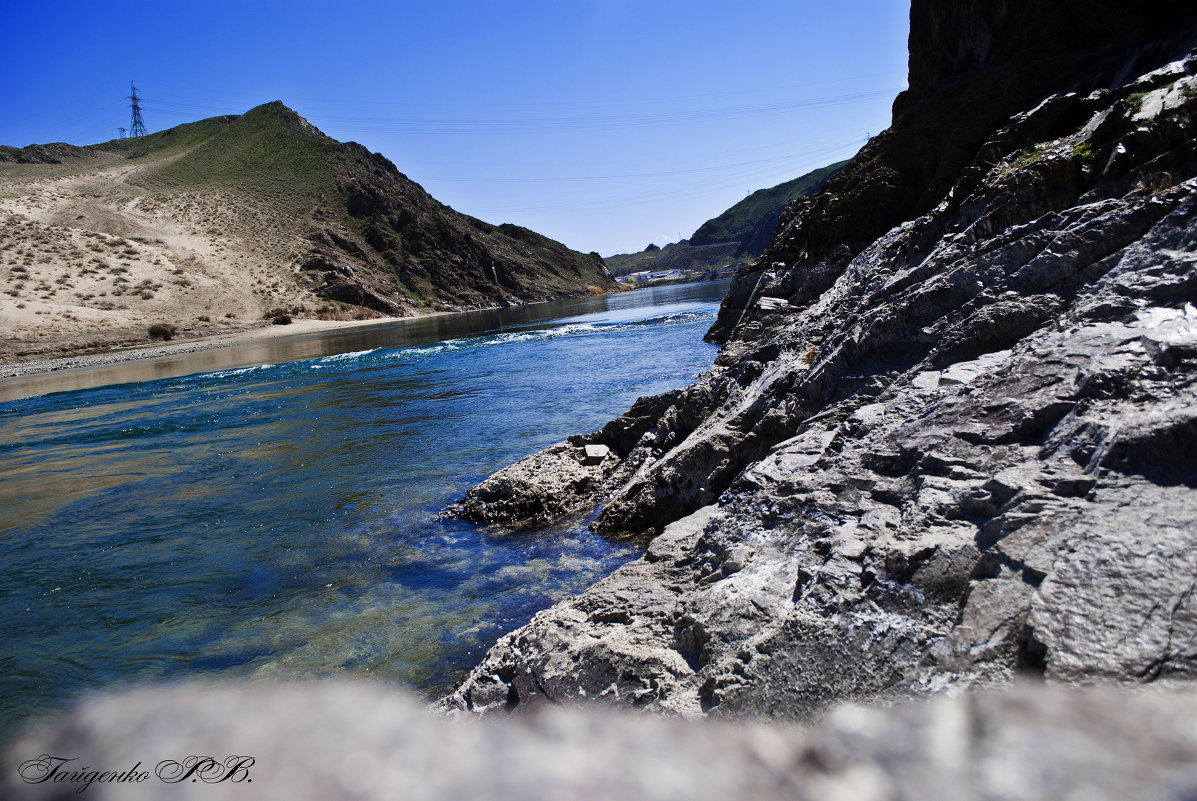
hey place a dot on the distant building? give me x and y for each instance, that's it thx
(648, 275)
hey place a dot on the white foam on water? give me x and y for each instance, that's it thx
(340, 357)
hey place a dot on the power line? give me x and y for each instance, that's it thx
(652, 195)
(416, 122)
(482, 179)
(575, 124)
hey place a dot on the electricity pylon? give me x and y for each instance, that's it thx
(137, 126)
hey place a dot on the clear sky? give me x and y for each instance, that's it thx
(606, 124)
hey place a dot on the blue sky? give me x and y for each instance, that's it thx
(607, 124)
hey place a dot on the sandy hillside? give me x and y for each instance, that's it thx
(210, 225)
(89, 260)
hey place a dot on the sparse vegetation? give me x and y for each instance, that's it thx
(164, 331)
(345, 313)
(1025, 158)
(250, 183)
(278, 316)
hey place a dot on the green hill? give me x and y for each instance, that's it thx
(744, 222)
(739, 234)
(378, 239)
(341, 222)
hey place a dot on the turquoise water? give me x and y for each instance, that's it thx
(282, 518)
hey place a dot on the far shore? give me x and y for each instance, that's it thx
(155, 350)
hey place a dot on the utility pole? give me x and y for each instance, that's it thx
(137, 126)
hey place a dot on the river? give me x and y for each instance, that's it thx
(273, 510)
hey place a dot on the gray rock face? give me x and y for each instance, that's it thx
(538, 488)
(329, 741)
(966, 452)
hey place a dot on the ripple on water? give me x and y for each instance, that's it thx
(281, 519)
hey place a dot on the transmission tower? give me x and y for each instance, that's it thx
(124, 132)
(137, 126)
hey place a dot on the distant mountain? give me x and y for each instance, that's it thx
(237, 215)
(739, 234)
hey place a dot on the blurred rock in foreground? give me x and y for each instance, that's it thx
(357, 741)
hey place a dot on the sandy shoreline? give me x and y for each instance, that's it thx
(155, 350)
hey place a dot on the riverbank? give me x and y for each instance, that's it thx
(153, 350)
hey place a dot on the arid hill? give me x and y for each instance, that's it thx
(211, 225)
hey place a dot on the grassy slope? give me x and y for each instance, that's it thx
(169, 142)
(272, 167)
(269, 153)
(738, 234)
(762, 205)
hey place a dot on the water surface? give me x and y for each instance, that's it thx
(280, 515)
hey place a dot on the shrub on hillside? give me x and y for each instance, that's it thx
(163, 331)
(278, 316)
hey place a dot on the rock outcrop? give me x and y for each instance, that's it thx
(324, 741)
(952, 435)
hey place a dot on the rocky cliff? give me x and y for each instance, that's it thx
(952, 434)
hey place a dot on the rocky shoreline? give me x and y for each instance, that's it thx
(959, 453)
(944, 466)
(182, 348)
